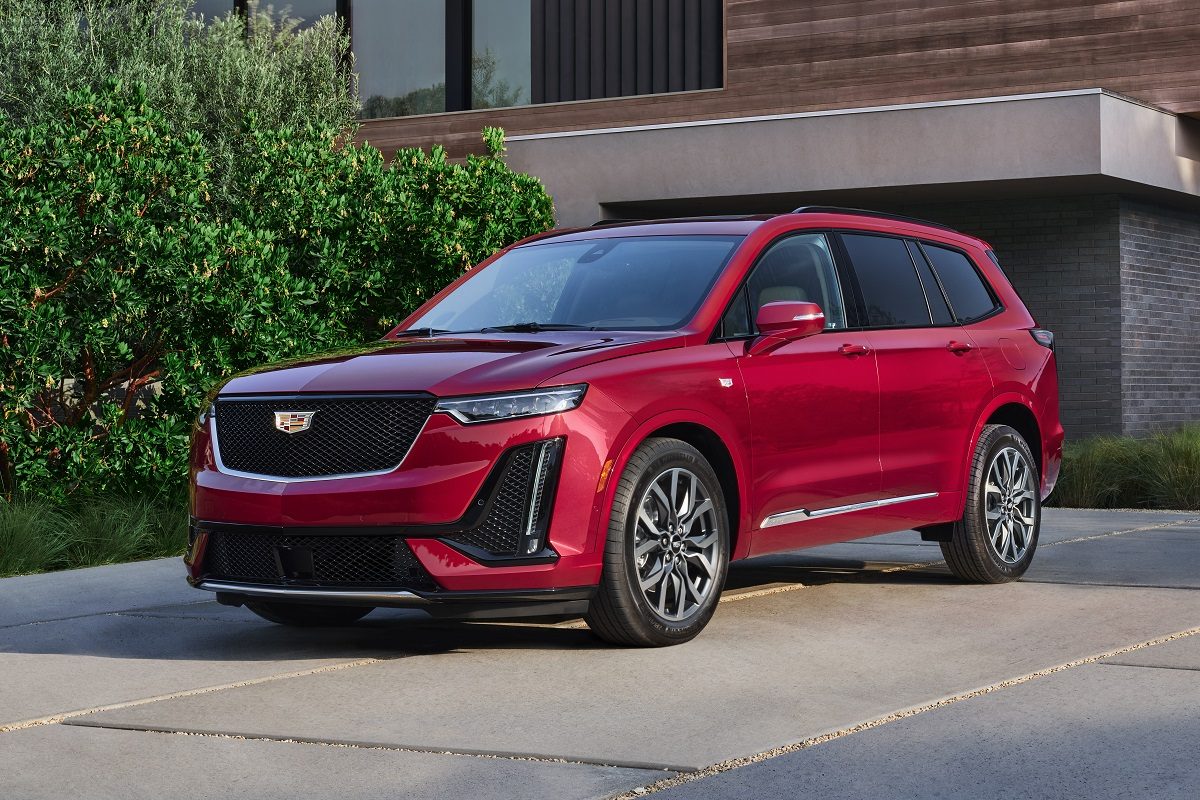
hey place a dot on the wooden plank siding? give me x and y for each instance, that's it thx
(790, 55)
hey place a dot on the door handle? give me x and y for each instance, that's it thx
(854, 349)
(960, 347)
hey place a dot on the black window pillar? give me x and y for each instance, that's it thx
(458, 55)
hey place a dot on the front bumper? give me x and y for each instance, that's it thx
(440, 501)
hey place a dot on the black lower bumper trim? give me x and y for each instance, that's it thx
(457, 605)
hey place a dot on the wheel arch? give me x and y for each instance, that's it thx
(1021, 418)
(703, 434)
(718, 456)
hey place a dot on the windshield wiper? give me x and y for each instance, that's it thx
(421, 332)
(535, 327)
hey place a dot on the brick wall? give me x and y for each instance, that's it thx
(1160, 295)
(1064, 257)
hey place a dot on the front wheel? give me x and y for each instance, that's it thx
(306, 615)
(995, 540)
(668, 549)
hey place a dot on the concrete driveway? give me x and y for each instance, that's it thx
(856, 670)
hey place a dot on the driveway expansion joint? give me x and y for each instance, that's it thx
(370, 745)
(1148, 666)
(813, 741)
(66, 716)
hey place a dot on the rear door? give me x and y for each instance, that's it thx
(932, 376)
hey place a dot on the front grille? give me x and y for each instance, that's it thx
(347, 435)
(518, 504)
(325, 560)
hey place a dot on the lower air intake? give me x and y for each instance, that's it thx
(319, 560)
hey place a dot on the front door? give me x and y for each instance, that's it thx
(814, 403)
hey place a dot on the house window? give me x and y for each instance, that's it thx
(305, 12)
(501, 53)
(430, 56)
(212, 9)
(400, 56)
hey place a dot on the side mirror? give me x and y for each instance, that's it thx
(783, 322)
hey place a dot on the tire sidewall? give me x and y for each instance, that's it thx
(1001, 438)
(690, 459)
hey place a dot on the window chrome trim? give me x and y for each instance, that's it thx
(802, 514)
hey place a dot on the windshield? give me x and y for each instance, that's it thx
(628, 283)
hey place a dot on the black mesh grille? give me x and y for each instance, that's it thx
(326, 560)
(502, 530)
(347, 435)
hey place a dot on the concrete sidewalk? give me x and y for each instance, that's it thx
(862, 669)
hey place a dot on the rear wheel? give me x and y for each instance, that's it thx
(305, 615)
(995, 540)
(668, 549)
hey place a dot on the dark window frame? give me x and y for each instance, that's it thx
(997, 303)
(915, 252)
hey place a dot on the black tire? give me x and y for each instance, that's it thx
(305, 615)
(621, 612)
(971, 552)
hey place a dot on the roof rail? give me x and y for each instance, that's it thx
(865, 213)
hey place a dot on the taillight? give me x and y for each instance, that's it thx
(1043, 337)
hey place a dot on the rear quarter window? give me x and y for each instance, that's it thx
(968, 294)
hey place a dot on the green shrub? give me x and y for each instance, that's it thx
(31, 537)
(1171, 469)
(200, 77)
(102, 210)
(116, 529)
(125, 295)
(1160, 472)
(38, 535)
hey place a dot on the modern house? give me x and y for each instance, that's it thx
(1064, 132)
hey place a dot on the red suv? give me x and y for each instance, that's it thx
(598, 421)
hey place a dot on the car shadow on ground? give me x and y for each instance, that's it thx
(817, 571)
(210, 632)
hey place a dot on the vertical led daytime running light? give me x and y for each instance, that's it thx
(540, 497)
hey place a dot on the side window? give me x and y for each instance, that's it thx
(933, 292)
(890, 286)
(798, 269)
(736, 321)
(968, 295)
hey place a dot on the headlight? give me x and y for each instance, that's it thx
(535, 403)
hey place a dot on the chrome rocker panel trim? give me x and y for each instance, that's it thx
(803, 514)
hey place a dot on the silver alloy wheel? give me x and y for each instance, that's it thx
(675, 544)
(1010, 504)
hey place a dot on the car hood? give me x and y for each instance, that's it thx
(446, 366)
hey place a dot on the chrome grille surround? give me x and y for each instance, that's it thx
(354, 436)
